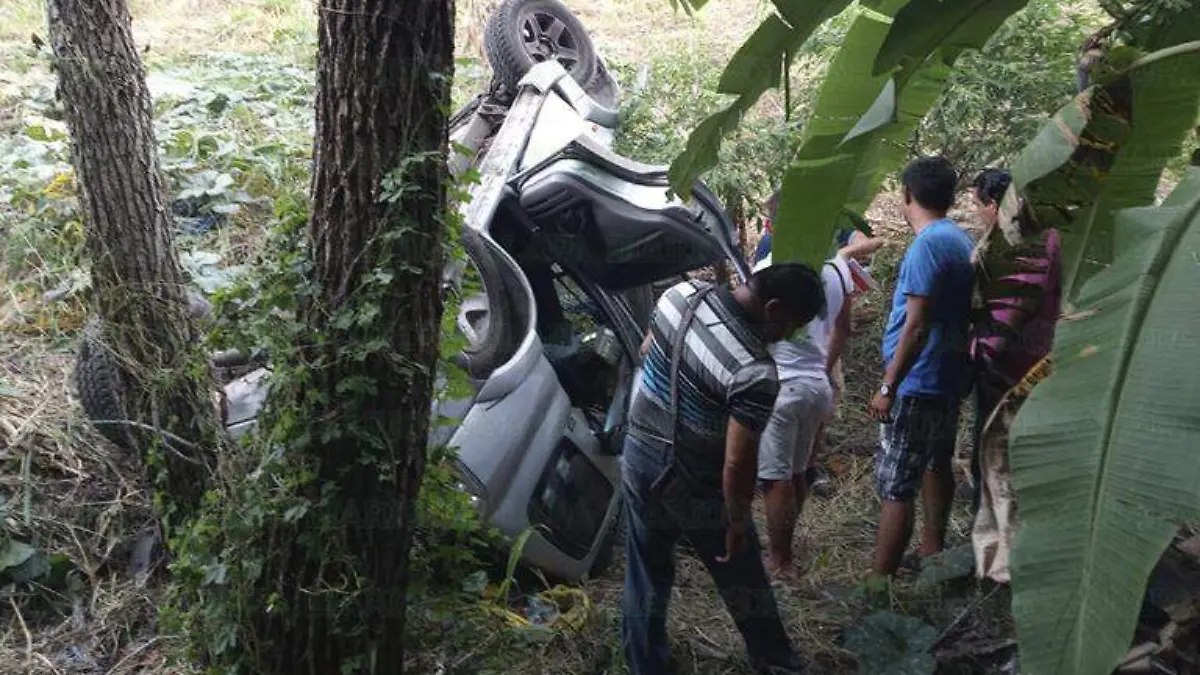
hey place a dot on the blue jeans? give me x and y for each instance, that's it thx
(650, 539)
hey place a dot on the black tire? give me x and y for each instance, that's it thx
(96, 382)
(520, 33)
(502, 338)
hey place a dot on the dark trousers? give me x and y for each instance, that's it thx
(650, 539)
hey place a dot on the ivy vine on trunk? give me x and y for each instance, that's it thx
(300, 563)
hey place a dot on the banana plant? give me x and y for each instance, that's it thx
(1103, 452)
(1092, 159)
(892, 66)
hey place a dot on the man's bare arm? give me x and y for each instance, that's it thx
(838, 337)
(649, 340)
(740, 472)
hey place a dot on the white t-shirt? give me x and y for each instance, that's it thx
(804, 355)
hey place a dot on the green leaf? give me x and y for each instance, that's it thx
(805, 15)
(887, 147)
(704, 145)
(815, 196)
(849, 87)
(923, 26)
(890, 644)
(1090, 160)
(758, 64)
(20, 562)
(949, 565)
(15, 553)
(756, 67)
(881, 113)
(474, 583)
(1103, 452)
(809, 207)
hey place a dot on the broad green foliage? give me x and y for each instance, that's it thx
(233, 131)
(887, 146)
(674, 94)
(816, 188)
(883, 80)
(923, 26)
(1092, 160)
(865, 118)
(1104, 452)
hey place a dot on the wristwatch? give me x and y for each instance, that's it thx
(885, 390)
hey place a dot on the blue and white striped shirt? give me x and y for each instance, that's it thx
(725, 372)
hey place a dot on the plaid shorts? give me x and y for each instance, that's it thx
(920, 436)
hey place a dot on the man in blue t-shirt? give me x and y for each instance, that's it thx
(925, 349)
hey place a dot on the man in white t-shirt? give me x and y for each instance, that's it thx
(804, 404)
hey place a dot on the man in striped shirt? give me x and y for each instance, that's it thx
(690, 461)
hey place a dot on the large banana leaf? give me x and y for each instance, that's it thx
(1104, 453)
(863, 119)
(927, 25)
(887, 148)
(1092, 160)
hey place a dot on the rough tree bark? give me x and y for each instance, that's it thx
(375, 234)
(137, 281)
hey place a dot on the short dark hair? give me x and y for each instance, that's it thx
(992, 184)
(796, 285)
(931, 181)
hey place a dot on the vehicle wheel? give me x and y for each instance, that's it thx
(96, 381)
(522, 33)
(489, 315)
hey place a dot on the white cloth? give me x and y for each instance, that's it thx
(804, 355)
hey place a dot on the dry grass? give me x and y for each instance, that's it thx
(68, 493)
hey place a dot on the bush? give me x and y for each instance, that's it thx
(999, 97)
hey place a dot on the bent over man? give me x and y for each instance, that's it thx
(691, 456)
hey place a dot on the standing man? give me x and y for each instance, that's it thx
(927, 375)
(691, 456)
(807, 367)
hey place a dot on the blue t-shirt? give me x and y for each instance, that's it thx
(937, 265)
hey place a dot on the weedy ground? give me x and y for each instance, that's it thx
(233, 87)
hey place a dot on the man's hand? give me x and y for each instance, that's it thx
(862, 249)
(647, 343)
(735, 541)
(881, 408)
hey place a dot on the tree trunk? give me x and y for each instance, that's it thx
(375, 235)
(137, 281)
